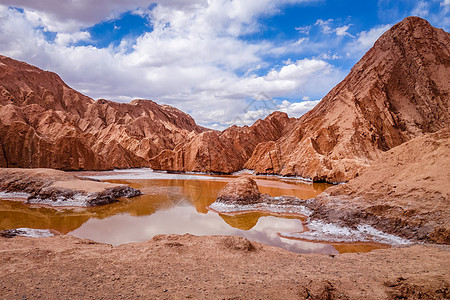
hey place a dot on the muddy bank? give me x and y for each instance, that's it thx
(404, 195)
(216, 267)
(406, 192)
(58, 188)
(242, 195)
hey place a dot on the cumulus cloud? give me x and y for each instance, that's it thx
(73, 15)
(326, 26)
(297, 109)
(365, 40)
(191, 59)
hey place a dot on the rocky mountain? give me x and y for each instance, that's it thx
(399, 90)
(222, 152)
(45, 123)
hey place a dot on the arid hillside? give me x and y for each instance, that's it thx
(46, 124)
(399, 90)
(405, 192)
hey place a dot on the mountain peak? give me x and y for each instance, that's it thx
(399, 90)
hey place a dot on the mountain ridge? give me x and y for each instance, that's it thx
(44, 123)
(399, 90)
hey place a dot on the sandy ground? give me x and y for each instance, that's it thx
(217, 267)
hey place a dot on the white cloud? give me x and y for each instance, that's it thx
(261, 110)
(365, 40)
(442, 18)
(422, 9)
(325, 25)
(65, 39)
(340, 31)
(71, 16)
(190, 60)
(297, 109)
(327, 28)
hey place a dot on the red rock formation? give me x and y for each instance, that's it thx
(222, 152)
(45, 123)
(400, 89)
(58, 188)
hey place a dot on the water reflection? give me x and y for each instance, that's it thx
(171, 204)
(183, 218)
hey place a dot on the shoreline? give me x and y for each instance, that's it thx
(58, 188)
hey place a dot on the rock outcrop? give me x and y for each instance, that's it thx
(222, 152)
(405, 192)
(57, 188)
(242, 190)
(399, 90)
(242, 194)
(45, 123)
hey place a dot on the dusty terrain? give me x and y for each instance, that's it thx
(218, 267)
(53, 187)
(406, 192)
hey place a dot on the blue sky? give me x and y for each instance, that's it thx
(223, 61)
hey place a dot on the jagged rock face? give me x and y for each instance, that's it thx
(45, 123)
(400, 89)
(222, 152)
(205, 152)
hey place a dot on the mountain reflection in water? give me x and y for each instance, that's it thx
(172, 204)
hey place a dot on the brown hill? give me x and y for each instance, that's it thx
(45, 123)
(222, 152)
(399, 90)
(405, 192)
